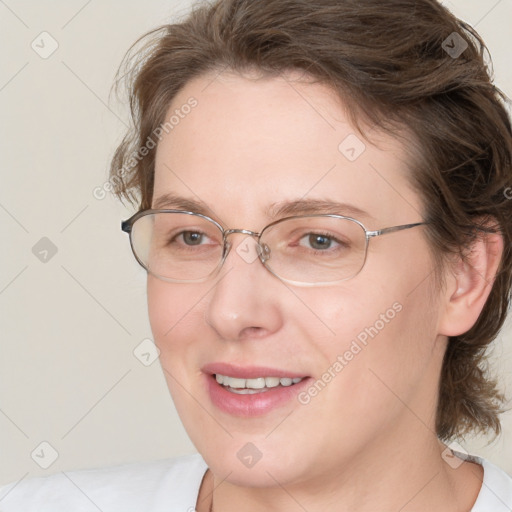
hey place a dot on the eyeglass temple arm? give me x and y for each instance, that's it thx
(378, 232)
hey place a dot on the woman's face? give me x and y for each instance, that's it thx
(370, 343)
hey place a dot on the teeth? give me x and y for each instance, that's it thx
(260, 383)
(246, 391)
(271, 382)
(235, 383)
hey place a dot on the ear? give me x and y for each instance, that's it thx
(469, 282)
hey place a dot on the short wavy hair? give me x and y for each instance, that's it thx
(396, 64)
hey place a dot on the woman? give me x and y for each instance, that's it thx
(321, 193)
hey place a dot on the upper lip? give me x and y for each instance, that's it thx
(248, 372)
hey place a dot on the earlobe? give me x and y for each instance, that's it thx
(469, 282)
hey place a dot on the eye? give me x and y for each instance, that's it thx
(187, 239)
(320, 241)
(184, 233)
(191, 237)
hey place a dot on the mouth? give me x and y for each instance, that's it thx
(251, 391)
(257, 385)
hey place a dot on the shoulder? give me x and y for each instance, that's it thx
(169, 484)
(496, 491)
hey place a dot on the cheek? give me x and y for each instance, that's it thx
(380, 346)
(161, 309)
(176, 319)
(333, 318)
(175, 312)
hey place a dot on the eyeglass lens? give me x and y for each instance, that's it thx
(310, 249)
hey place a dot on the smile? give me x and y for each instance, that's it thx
(257, 385)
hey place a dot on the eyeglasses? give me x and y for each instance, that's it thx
(306, 250)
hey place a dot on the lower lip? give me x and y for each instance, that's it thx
(255, 404)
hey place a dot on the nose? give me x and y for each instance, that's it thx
(243, 302)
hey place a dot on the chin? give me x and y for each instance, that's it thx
(262, 474)
(253, 461)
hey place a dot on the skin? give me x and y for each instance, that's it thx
(367, 441)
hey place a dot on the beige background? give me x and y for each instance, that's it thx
(68, 374)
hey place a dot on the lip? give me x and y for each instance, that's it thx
(248, 372)
(256, 404)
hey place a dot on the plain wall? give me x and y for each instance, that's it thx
(70, 324)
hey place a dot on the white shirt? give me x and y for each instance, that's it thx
(166, 486)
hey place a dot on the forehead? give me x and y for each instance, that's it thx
(251, 142)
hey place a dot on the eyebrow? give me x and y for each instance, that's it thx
(276, 210)
(314, 206)
(175, 202)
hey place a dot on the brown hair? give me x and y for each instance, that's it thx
(396, 65)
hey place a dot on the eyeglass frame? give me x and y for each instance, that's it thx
(127, 225)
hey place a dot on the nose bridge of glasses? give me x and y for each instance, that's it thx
(262, 251)
(242, 231)
(247, 232)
